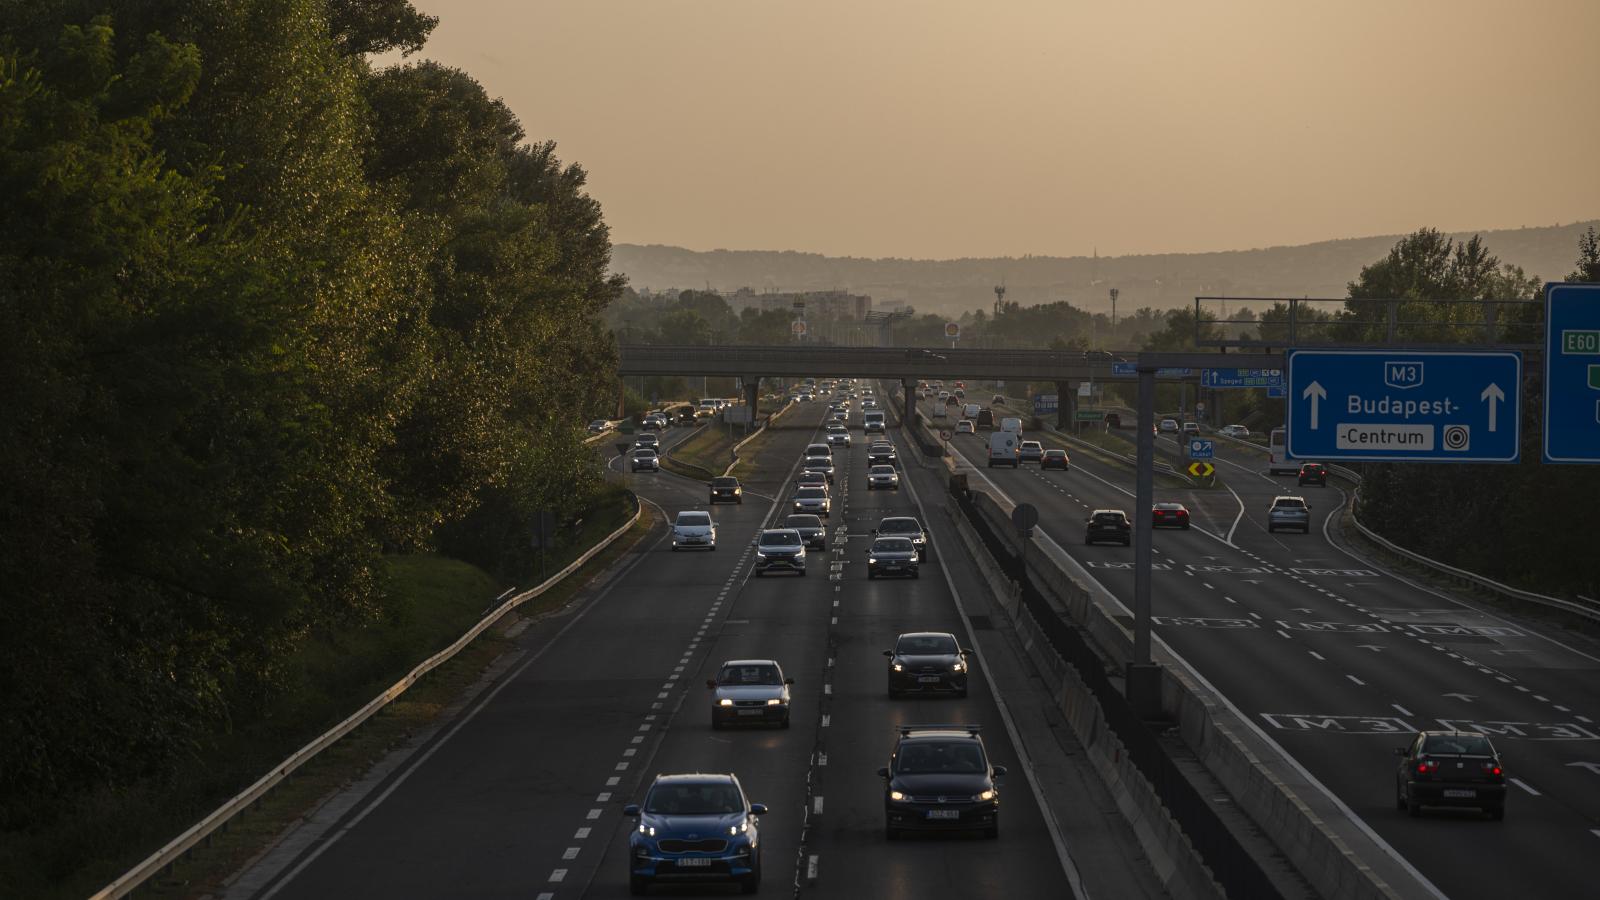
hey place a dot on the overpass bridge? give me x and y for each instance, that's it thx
(1066, 368)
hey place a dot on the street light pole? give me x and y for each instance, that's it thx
(1114, 293)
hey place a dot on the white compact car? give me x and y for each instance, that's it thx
(694, 530)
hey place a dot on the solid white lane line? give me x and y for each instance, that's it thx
(1524, 785)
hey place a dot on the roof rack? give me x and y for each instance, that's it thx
(969, 729)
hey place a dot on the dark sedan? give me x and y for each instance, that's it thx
(1169, 515)
(1055, 459)
(1313, 473)
(892, 556)
(810, 528)
(927, 661)
(726, 488)
(1450, 768)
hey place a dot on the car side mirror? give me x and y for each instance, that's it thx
(889, 653)
(711, 683)
(758, 809)
(999, 771)
(788, 681)
(968, 651)
(883, 772)
(631, 810)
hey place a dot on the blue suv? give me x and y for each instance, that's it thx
(695, 828)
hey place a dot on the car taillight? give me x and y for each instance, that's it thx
(1492, 769)
(1426, 767)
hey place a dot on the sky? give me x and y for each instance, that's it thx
(936, 129)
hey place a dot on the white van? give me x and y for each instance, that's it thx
(970, 411)
(1003, 449)
(1279, 462)
(872, 421)
(1012, 424)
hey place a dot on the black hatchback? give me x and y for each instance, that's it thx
(940, 779)
(1109, 526)
(726, 488)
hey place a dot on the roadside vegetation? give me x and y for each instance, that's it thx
(284, 332)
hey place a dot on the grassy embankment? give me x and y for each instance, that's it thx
(433, 600)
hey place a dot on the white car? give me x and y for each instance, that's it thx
(838, 436)
(883, 477)
(965, 426)
(1168, 426)
(646, 459)
(694, 529)
(1234, 431)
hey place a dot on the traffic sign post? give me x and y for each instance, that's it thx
(952, 333)
(1199, 448)
(1045, 403)
(1572, 373)
(798, 327)
(1397, 405)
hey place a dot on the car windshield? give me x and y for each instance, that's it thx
(749, 674)
(1289, 502)
(803, 522)
(883, 470)
(891, 545)
(1168, 506)
(644, 454)
(1031, 445)
(930, 757)
(810, 493)
(779, 538)
(724, 482)
(923, 644)
(1462, 744)
(899, 526)
(694, 799)
(694, 519)
(1109, 518)
(1055, 453)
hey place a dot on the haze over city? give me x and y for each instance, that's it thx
(935, 129)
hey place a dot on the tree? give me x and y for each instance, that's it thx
(376, 26)
(1588, 258)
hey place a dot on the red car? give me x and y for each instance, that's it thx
(1169, 515)
(1055, 459)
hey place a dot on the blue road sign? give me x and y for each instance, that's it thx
(1124, 368)
(1398, 405)
(1572, 373)
(1045, 403)
(1277, 393)
(1201, 449)
(1241, 378)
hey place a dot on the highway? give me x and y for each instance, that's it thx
(1339, 662)
(519, 794)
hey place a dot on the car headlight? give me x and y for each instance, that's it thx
(899, 668)
(647, 829)
(896, 795)
(774, 701)
(872, 561)
(725, 702)
(959, 667)
(987, 795)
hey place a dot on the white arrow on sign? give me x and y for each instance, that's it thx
(1494, 396)
(1593, 767)
(1317, 394)
(1464, 698)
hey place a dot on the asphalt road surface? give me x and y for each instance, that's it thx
(1340, 662)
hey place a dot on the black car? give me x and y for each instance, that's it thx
(927, 661)
(939, 778)
(1450, 768)
(810, 528)
(1109, 525)
(726, 488)
(881, 454)
(892, 556)
(1313, 473)
(907, 527)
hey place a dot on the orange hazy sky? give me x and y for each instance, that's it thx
(934, 129)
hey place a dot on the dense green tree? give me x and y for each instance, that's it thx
(1588, 268)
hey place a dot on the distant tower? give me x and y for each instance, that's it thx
(999, 296)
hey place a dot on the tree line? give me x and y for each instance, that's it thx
(267, 312)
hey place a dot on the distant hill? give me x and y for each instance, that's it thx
(1159, 280)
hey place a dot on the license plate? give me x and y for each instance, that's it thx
(695, 861)
(1460, 793)
(928, 679)
(749, 712)
(944, 813)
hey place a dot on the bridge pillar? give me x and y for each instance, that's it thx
(1066, 404)
(909, 407)
(752, 395)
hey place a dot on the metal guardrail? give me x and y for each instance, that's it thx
(1132, 459)
(183, 843)
(734, 450)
